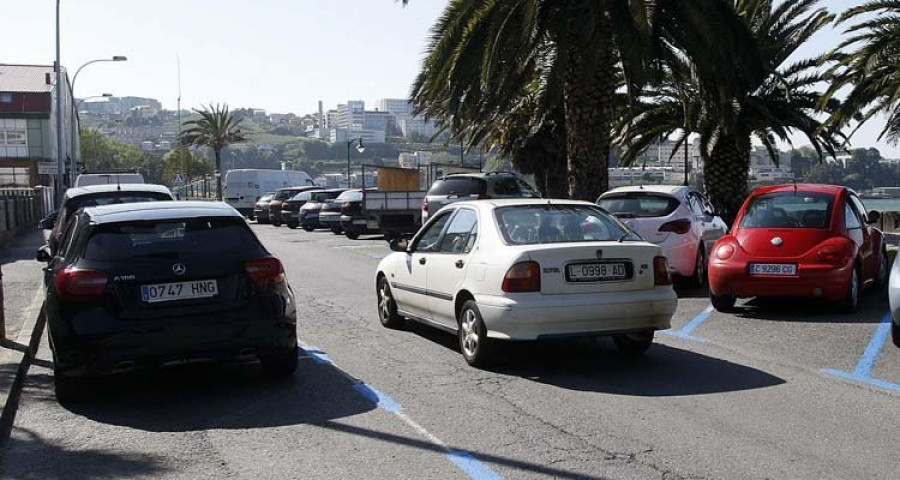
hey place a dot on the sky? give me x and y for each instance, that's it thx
(280, 55)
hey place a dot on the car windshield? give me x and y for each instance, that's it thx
(639, 204)
(283, 194)
(789, 210)
(539, 224)
(461, 186)
(171, 239)
(113, 198)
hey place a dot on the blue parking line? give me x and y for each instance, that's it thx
(684, 332)
(863, 371)
(465, 461)
(473, 468)
(381, 400)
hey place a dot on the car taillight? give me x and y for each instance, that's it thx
(724, 252)
(345, 207)
(424, 210)
(265, 271)
(80, 285)
(676, 226)
(661, 275)
(833, 253)
(523, 277)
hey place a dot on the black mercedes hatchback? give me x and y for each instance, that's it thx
(137, 286)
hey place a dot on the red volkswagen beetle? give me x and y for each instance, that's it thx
(799, 240)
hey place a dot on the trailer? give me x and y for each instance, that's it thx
(243, 187)
(395, 209)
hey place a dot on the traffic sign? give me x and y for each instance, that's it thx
(47, 168)
(179, 179)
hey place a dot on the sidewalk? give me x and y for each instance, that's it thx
(23, 296)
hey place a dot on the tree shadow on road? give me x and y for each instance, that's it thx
(29, 456)
(205, 397)
(872, 309)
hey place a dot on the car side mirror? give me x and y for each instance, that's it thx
(44, 255)
(399, 244)
(48, 222)
(873, 217)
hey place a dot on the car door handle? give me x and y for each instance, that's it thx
(422, 261)
(460, 264)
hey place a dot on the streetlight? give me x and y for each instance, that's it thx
(57, 67)
(116, 58)
(79, 102)
(359, 148)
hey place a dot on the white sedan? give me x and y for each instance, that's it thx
(527, 269)
(678, 219)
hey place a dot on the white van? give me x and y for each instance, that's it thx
(88, 179)
(243, 187)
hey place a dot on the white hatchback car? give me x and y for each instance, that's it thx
(527, 269)
(678, 219)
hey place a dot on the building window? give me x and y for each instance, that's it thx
(6, 98)
(13, 138)
(14, 177)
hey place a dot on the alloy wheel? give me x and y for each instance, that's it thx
(470, 332)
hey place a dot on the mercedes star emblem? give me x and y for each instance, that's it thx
(777, 241)
(179, 269)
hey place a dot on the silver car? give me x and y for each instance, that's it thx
(894, 298)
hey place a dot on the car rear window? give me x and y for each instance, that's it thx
(513, 186)
(180, 238)
(639, 205)
(352, 196)
(113, 198)
(283, 194)
(458, 186)
(539, 224)
(789, 210)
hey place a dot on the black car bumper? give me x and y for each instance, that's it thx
(145, 344)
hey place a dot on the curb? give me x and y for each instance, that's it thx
(31, 332)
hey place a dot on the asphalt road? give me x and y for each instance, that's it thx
(734, 396)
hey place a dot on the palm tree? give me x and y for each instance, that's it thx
(216, 128)
(871, 68)
(787, 100)
(484, 57)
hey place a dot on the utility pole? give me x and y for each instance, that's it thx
(60, 91)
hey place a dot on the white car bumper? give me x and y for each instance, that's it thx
(533, 316)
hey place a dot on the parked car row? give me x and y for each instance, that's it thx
(498, 270)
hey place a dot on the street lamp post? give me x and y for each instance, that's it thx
(116, 58)
(359, 148)
(57, 67)
(79, 102)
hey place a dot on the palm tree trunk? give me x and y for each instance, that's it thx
(727, 174)
(216, 175)
(589, 90)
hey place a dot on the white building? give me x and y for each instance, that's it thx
(418, 125)
(395, 106)
(351, 115)
(337, 135)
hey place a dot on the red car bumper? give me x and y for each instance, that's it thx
(732, 277)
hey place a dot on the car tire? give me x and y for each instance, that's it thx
(352, 235)
(276, 223)
(884, 271)
(850, 303)
(474, 344)
(387, 306)
(723, 303)
(634, 344)
(281, 363)
(336, 230)
(68, 389)
(895, 334)
(698, 280)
